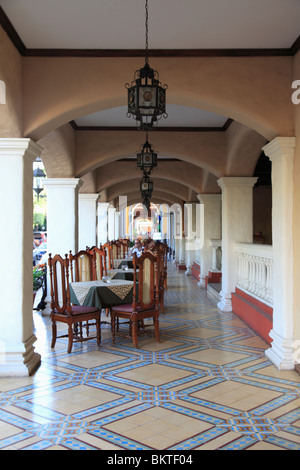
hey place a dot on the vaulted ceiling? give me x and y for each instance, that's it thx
(116, 28)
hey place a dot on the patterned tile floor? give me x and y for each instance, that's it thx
(206, 386)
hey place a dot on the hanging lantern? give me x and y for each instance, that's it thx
(38, 176)
(147, 158)
(146, 187)
(146, 94)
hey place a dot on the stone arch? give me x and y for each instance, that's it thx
(254, 92)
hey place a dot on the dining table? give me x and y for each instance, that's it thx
(119, 263)
(101, 294)
(123, 273)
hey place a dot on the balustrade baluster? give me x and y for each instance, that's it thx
(255, 270)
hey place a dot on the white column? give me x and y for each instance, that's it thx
(237, 226)
(117, 225)
(102, 226)
(62, 215)
(191, 231)
(182, 251)
(177, 250)
(17, 356)
(122, 216)
(211, 231)
(281, 153)
(87, 224)
(111, 223)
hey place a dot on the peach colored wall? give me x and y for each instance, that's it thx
(234, 152)
(59, 152)
(174, 190)
(135, 198)
(205, 149)
(296, 209)
(175, 171)
(250, 90)
(243, 148)
(11, 75)
(89, 183)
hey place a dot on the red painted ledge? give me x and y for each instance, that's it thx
(254, 313)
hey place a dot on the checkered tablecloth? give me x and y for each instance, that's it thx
(100, 293)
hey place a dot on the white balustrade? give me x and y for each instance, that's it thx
(255, 270)
(216, 247)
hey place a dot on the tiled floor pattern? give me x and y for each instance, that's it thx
(207, 385)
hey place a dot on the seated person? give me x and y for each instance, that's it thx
(138, 248)
(149, 244)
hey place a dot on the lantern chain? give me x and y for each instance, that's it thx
(146, 32)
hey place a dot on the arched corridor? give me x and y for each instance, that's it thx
(223, 196)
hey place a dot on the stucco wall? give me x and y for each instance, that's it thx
(11, 75)
(249, 90)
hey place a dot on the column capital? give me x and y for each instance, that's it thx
(236, 181)
(280, 147)
(89, 197)
(202, 198)
(18, 147)
(75, 183)
(103, 205)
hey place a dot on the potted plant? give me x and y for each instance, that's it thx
(38, 279)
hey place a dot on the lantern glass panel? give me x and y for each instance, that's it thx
(147, 100)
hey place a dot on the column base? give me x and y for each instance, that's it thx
(281, 353)
(225, 303)
(20, 364)
(188, 271)
(201, 282)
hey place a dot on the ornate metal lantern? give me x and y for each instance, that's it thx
(146, 94)
(147, 158)
(38, 175)
(146, 187)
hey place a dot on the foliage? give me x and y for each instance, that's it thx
(39, 221)
(38, 278)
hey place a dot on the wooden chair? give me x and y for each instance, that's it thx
(109, 258)
(100, 267)
(61, 308)
(145, 298)
(82, 266)
(124, 246)
(161, 252)
(116, 249)
(165, 262)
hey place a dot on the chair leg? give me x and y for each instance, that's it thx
(54, 333)
(156, 329)
(113, 326)
(162, 304)
(98, 328)
(134, 333)
(70, 334)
